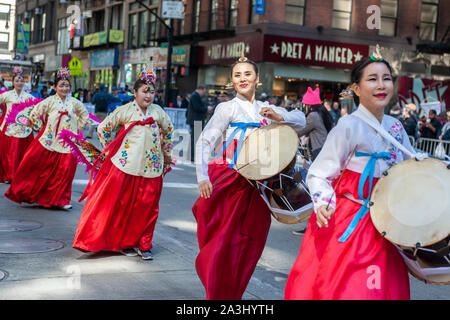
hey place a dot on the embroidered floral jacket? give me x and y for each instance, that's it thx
(144, 148)
(9, 98)
(70, 115)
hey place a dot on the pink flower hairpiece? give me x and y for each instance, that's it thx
(376, 56)
(63, 73)
(148, 76)
(17, 71)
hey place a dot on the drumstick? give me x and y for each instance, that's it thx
(342, 171)
(237, 169)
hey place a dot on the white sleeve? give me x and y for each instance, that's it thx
(328, 165)
(295, 118)
(214, 129)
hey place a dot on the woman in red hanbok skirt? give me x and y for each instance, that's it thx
(342, 255)
(47, 170)
(232, 218)
(123, 201)
(14, 137)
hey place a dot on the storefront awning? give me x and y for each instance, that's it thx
(318, 74)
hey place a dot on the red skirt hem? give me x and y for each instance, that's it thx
(364, 267)
(43, 177)
(12, 151)
(120, 213)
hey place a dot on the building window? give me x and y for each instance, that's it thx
(295, 11)
(132, 31)
(63, 37)
(254, 18)
(4, 40)
(196, 16)
(4, 11)
(428, 20)
(214, 14)
(342, 14)
(389, 17)
(142, 30)
(181, 21)
(233, 5)
(152, 31)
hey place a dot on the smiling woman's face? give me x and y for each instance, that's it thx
(376, 87)
(145, 95)
(244, 79)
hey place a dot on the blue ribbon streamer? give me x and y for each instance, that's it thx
(368, 172)
(239, 126)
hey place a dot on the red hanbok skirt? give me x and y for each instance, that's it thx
(12, 151)
(364, 267)
(120, 212)
(232, 228)
(43, 177)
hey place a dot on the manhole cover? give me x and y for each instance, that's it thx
(18, 225)
(29, 245)
(2, 275)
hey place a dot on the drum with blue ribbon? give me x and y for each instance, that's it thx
(410, 207)
(269, 159)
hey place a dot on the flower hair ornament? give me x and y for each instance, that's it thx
(63, 73)
(376, 56)
(17, 72)
(148, 76)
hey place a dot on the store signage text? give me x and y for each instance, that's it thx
(312, 52)
(227, 51)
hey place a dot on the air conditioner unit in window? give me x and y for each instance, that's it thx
(38, 11)
(27, 15)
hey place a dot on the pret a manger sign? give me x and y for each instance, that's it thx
(312, 52)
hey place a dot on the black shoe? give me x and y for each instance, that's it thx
(129, 252)
(146, 255)
(299, 232)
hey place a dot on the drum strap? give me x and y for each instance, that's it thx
(368, 173)
(239, 126)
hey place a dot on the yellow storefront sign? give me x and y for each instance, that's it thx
(75, 66)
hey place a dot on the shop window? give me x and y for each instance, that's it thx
(4, 40)
(428, 20)
(342, 14)
(389, 17)
(295, 11)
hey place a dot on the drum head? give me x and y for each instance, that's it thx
(267, 151)
(411, 205)
(288, 219)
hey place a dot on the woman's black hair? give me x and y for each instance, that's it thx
(358, 69)
(255, 67)
(57, 79)
(324, 114)
(139, 83)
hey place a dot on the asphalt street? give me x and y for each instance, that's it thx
(66, 273)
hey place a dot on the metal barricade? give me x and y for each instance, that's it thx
(178, 117)
(434, 147)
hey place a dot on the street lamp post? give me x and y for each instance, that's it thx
(169, 51)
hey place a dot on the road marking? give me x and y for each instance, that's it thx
(165, 184)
